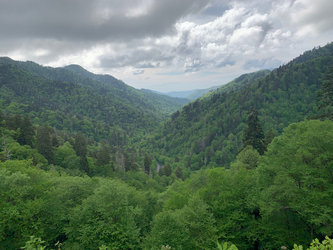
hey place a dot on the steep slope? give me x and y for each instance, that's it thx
(68, 106)
(238, 83)
(104, 85)
(209, 131)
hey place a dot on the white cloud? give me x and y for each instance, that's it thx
(146, 36)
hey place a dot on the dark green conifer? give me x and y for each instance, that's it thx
(254, 134)
(54, 141)
(27, 132)
(147, 163)
(167, 170)
(103, 156)
(161, 172)
(80, 147)
(43, 144)
(179, 172)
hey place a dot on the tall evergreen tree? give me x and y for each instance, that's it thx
(103, 156)
(147, 163)
(80, 147)
(27, 132)
(179, 172)
(167, 170)
(254, 134)
(44, 145)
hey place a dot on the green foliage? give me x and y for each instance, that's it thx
(225, 246)
(44, 144)
(327, 244)
(199, 134)
(167, 170)
(34, 244)
(254, 135)
(325, 96)
(295, 184)
(27, 132)
(79, 101)
(104, 218)
(191, 227)
(22, 187)
(258, 201)
(247, 158)
(179, 172)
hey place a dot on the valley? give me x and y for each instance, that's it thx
(86, 160)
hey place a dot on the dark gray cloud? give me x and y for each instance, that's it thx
(163, 38)
(92, 20)
(137, 57)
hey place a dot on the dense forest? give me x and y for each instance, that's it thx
(87, 162)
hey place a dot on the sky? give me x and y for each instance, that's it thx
(164, 45)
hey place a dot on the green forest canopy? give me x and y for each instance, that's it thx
(75, 174)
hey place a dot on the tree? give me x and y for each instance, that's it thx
(269, 137)
(80, 147)
(103, 156)
(295, 183)
(27, 132)
(191, 227)
(44, 145)
(179, 172)
(254, 135)
(325, 96)
(106, 217)
(63, 152)
(167, 170)
(247, 158)
(147, 163)
(161, 172)
(227, 193)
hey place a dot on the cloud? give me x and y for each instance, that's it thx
(138, 72)
(195, 47)
(265, 63)
(92, 20)
(154, 36)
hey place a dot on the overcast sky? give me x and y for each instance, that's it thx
(164, 45)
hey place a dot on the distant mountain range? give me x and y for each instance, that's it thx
(234, 85)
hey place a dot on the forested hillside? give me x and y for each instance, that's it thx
(99, 106)
(82, 167)
(208, 132)
(104, 85)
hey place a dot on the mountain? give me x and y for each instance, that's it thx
(238, 83)
(234, 85)
(104, 85)
(77, 162)
(208, 131)
(152, 94)
(72, 99)
(200, 92)
(180, 94)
